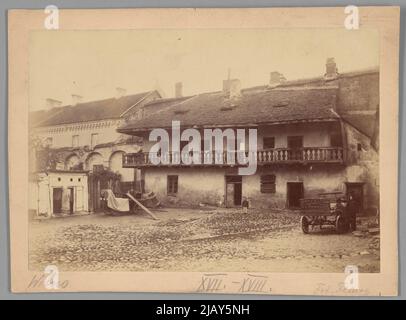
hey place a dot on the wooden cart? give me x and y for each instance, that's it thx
(329, 209)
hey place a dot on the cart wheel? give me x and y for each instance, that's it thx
(341, 224)
(304, 223)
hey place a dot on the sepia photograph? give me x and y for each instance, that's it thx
(207, 151)
(100, 202)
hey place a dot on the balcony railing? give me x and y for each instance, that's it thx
(224, 158)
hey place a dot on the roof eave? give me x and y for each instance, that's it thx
(244, 125)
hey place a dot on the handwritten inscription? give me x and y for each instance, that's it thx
(219, 282)
(38, 281)
(254, 283)
(325, 289)
(212, 282)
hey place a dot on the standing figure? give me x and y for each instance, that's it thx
(245, 205)
(352, 212)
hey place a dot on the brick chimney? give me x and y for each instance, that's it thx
(120, 92)
(232, 88)
(276, 79)
(76, 98)
(52, 103)
(178, 90)
(331, 70)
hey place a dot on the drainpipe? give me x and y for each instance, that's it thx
(345, 142)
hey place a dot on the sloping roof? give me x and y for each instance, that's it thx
(365, 123)
(88, 111)
(159, 104)
(266, 106)
(166, 102)
(36, 117)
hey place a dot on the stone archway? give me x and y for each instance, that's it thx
(93, 159)
(116, 165)
(71, 162)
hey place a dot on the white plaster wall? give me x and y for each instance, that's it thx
(207, 185)
(45, 186)
(314, 135)
(63, 137)
(194, 185)
(116, 165)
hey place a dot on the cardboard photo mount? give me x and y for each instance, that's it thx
(22, 22)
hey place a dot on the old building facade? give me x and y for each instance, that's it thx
(314, 135)
(77, 139)
(84, 135)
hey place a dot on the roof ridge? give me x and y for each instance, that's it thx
(141, 99)
(104, 107)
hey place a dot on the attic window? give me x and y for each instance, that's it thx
(181, 111)
(280, 105)
(228, 108)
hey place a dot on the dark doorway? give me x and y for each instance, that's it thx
(233, 191)
(237, 194)
(57, 200)
(71, 200)
(295, 145)
(356, 190)
(295, 192)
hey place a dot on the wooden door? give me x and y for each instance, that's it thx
(295, 192)
(233, 191)
(230, 195)
(356, 191)
(57, 200)
(71, 200)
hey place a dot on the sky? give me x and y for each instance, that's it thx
(93, 63)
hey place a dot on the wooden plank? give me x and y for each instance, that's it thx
(142, 206)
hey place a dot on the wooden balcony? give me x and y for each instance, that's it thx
(263, 157)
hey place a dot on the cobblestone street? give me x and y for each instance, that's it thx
(195, 240)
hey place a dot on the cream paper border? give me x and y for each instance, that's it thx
(22, 22)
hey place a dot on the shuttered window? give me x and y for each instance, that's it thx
(172, 185)
(93, 140)
(268, 184)
(269, 142)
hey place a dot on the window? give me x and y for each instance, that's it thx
(359, 146)
(295, 142)
(268, 184)
(335, 140)
(75, 141)
(186, 144)
(269, 142)
(205, 145)
(172, 187)
(93, 140)
(183, 144)
(48, 142)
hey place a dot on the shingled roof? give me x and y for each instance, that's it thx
(265, 106)
(365, 123)
(88, 111)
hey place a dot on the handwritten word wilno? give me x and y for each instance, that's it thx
(192, 152)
